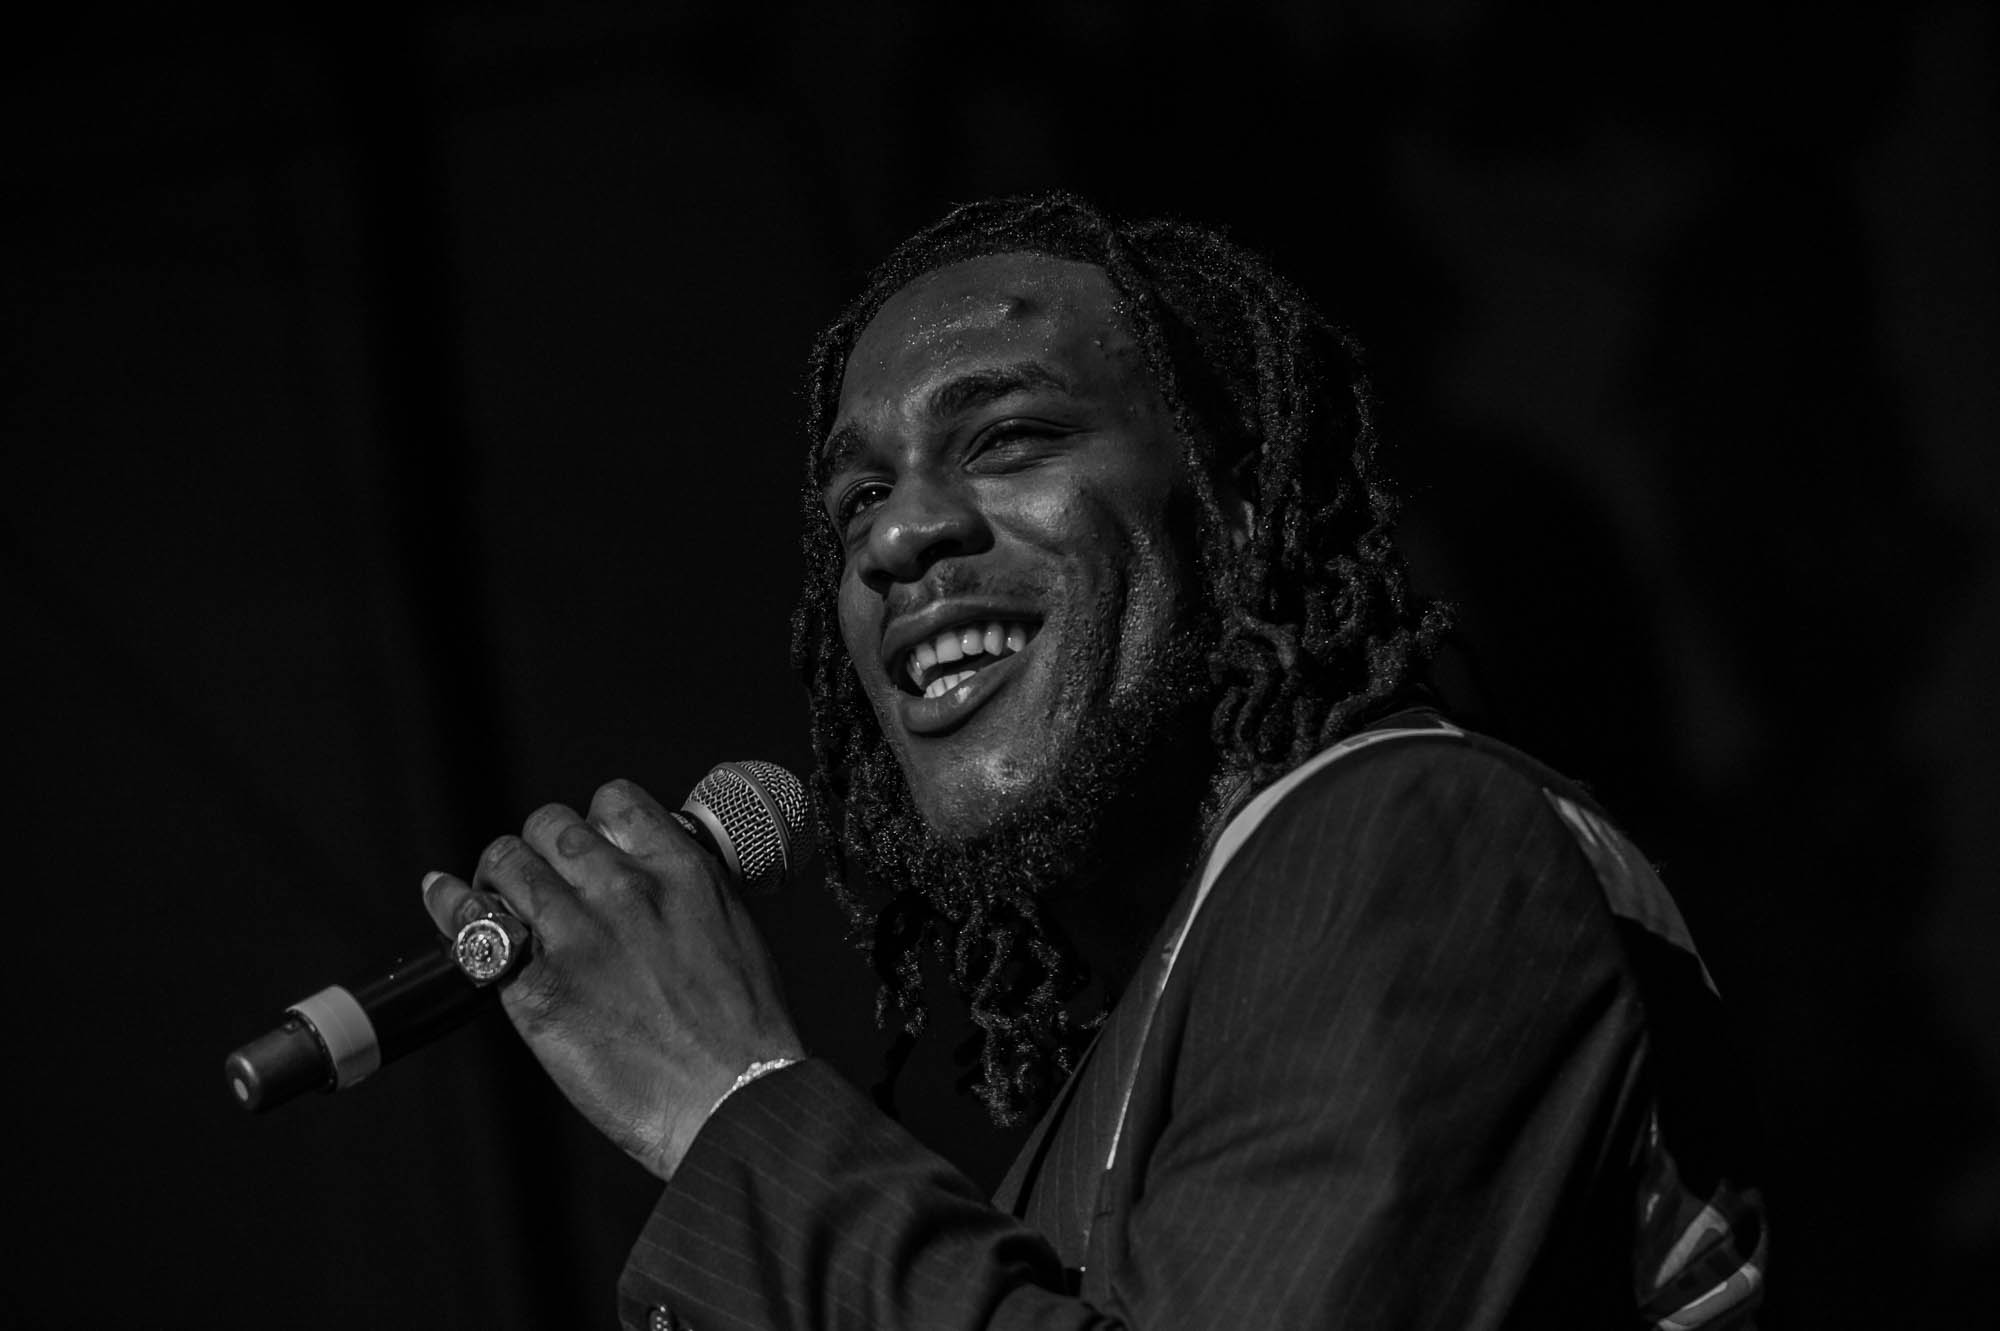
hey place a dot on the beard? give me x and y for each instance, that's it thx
(984, 908)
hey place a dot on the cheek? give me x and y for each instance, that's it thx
(1053, 519)
(1153, 601)
(1158, 584)
(860, 629)
(1113, 592)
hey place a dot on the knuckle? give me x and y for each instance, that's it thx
(618, 790)
(621, 803)
(547, 819)
(502, 849)
(629, 881)
(575, 839)
(536, 994)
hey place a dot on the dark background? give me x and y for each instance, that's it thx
(401, 432)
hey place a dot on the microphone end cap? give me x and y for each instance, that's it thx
(280, 1065)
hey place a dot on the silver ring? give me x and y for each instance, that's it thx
(489, 946)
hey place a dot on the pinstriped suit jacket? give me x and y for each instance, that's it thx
(1436, 1051)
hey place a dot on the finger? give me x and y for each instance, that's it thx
(577, 850)
(452, 904)
(634, 821)
(535, 892)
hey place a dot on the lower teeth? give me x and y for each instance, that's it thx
(944, 684)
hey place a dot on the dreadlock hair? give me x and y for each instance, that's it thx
(1315, 626)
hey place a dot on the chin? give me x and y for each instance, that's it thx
(965, 796)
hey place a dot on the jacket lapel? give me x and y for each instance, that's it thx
(1054, 1181)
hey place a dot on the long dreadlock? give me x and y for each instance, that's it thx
(1315, 625)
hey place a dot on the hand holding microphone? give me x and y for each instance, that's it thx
(646, 989)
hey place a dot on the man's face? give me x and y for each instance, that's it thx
(1005, 477)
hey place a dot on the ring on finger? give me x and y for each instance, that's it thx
(490, 946)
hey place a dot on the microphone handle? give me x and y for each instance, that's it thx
(342, 1034)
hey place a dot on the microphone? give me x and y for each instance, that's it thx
(749, 815)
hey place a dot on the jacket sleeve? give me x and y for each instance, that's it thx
(1383, 1090)
(801, 1205)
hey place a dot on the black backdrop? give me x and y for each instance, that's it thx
(400, 432)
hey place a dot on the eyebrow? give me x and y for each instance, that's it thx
(959, 394)
(979, 387)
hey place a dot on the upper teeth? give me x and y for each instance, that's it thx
(991, 639)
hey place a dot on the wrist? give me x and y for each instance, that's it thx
(682, 1126)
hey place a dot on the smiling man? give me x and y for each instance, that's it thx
(1019, 599)
(1003, 476)
(1333, 1013)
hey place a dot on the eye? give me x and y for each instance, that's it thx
(1016, 441)
(856, 498)
(1012, 430)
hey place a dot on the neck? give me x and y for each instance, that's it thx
(1114, 916)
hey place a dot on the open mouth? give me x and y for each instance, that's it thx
(940, 664)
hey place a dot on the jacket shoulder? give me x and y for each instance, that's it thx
(1390, 833)
(1412, 820)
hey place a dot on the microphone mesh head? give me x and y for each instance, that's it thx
(761, 809)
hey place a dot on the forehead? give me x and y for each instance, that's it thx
(1002, 307)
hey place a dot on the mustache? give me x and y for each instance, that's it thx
(949, 579)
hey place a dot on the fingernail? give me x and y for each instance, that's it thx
(430, 878)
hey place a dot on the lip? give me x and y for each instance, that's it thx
(952, 709)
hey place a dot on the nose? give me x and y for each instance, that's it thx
(923, 520)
